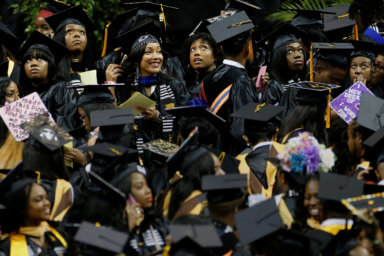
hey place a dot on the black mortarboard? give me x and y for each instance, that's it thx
(224, 188)
(8, 38)
(334, 53)
(4, 68)
(373, 188)
(107, 149)
(161, 147)
(373, 202)
(258, 112)
(306, 17)
(73, 15)
(44, 131)
(191, 12)
(229, 164)
(187, 154)
(110, 117)
(339, 22)
(101, 237)
(282, 36)
(40, 41)
(202, 25)
(56, 6)
(204, 235)
(230, 27)
(371, 112)
(189, 111)
(375, 138)
(363, 48)
(251, 7)
(94, 95)
(258, 221)
(142, 27)
(99, 185)
(336, 187)
(149, 5)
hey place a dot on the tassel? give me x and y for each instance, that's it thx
(105, 40)
(221, 157)
(162, 13)
(311, 64)
(356, 32)
(38, 180)
(250, 47)
(328, 121)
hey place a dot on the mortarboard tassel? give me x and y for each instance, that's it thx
(163, 15)
(328, 120)
(311, 63)
(38, 180)
(356, 32)
(105, 40)
(221, 157)
(250, 47)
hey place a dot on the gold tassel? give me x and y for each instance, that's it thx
(221, 157)
(38, 180)
(328, 120)
(105, 40)
(250, 47)
(162, 13)
(356, 32)
(311, 64)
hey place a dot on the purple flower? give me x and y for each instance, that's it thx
(312, 159)
(297, 163)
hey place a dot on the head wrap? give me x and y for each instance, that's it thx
(143, 40)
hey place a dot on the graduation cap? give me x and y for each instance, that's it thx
(190, 13)
(371, 112)
(336, 187)
(282, 36)
(338, 24)
(190, 111)
(252, 8)
(8, 38)
(375, 138)
(230, 27)
(224, 188)
(363, 48)
(305, 18)
(108, 149)
(204, 235)
(229, 164)
(94, 94)
(161, 147)
(53, 7)
(72, 15)
(40, 41)
(187, 154)
(202, 25)
(101, 186)
(46, 132)
(258, 221)
(111, 117)
(101, 237)
(258, 112)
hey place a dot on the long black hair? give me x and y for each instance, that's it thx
(310, 118)
(64, 64)
(37, 53)
(191, 181)
(4, 83)
(279, 67)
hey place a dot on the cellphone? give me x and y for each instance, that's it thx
(131, 199)
(259, 81)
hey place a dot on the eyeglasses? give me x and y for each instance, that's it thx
(377, 67)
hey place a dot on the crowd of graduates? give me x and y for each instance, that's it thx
(196, 133)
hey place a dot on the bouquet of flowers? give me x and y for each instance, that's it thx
(305, 155)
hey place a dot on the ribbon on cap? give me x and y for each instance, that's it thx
(240, 23)
(328, 118)
(115, 151)
(105, 40)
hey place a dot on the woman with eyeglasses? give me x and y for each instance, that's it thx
(377, 75)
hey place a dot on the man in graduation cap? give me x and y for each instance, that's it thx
(229, 87)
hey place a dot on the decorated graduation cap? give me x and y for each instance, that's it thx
(72, 15)
(258, 221)
(161, 147)
(8, 38)
(101, 237)
(282, 36)
(230, 27)
(46, 133)
(189, 111)
(40, 41)
(338, 24)
(224, 188)
(202, 235)
(371, 112)
(229, 164)
(111, 117)
(188, 153)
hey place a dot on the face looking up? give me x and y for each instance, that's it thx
(295, 56)
(152, 60)
(36, 69)
(201, 55)
(75, 38)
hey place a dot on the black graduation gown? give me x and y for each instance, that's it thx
(257, 162)
(242, 92)
(62, 104)
(273, 93)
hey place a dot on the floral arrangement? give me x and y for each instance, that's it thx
(304, 154)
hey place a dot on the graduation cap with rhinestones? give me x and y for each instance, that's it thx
(230, 27)
(258, 221)
(40, 41)
(161, 147)
(73, 15)
(101, 237)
